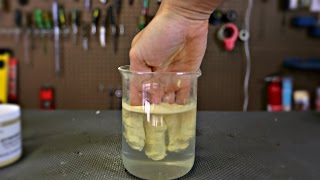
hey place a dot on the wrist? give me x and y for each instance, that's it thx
(190, 9)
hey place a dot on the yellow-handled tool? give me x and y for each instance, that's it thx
(4, 72)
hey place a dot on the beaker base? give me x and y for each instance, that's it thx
(158, 169)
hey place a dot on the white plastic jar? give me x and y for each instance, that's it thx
(10, 134)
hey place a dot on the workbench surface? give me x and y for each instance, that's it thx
(87, 145)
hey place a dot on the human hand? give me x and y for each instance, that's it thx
(171, 42)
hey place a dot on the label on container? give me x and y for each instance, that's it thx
(10, 140)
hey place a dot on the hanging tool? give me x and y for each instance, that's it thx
(95, 20)
(117, 7)
(216, 17)
(23, 2)
(103, 30)
(231, 16)
(28, 38)
(228, 34)
(47, 27)
(104, 2)
(62, 22)
(38, 19)
(144, 14)
(4, 5)
(244, 35)
(114, 29)
(62, 18)
(47, 20)
(18, 22)
(87, 4)
(57, 54)
(85, 36)
(75, 20)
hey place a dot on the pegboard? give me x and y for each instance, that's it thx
(88, 75)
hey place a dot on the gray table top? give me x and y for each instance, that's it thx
(87, 145)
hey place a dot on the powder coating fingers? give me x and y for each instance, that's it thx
(133, 130)
(174, 133)
(155, 146)
(188, 125)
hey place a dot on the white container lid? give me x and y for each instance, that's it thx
(9, 112)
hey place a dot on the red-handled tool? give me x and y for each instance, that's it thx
(13, 81)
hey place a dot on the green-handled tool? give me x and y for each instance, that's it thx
(38, 18)
(39, 21)
(47, 23)
(47, 20)
(144, 14)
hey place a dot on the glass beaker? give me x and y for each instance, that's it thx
(158, 122)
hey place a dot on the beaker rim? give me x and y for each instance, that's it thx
(126, 69)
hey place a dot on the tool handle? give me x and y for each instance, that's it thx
(38, 18)
(95, 16)
(55, 13)
(47, 20)
(62, 17)
(75, 17)
(111, 16)
(18, 18)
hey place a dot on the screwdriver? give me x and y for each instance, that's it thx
(18, 22)
(87, 5)
(62, 21)
(4, 5)
(23, 2)
(104, 2)
(102, 30)
(85, 36)
(47, 26)
(144, 15)
(117, 6)
(28, 42)
(114, 29)
(75, 19)
(95, 20)
(55, 14)
(47, 20)
(38, 18)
